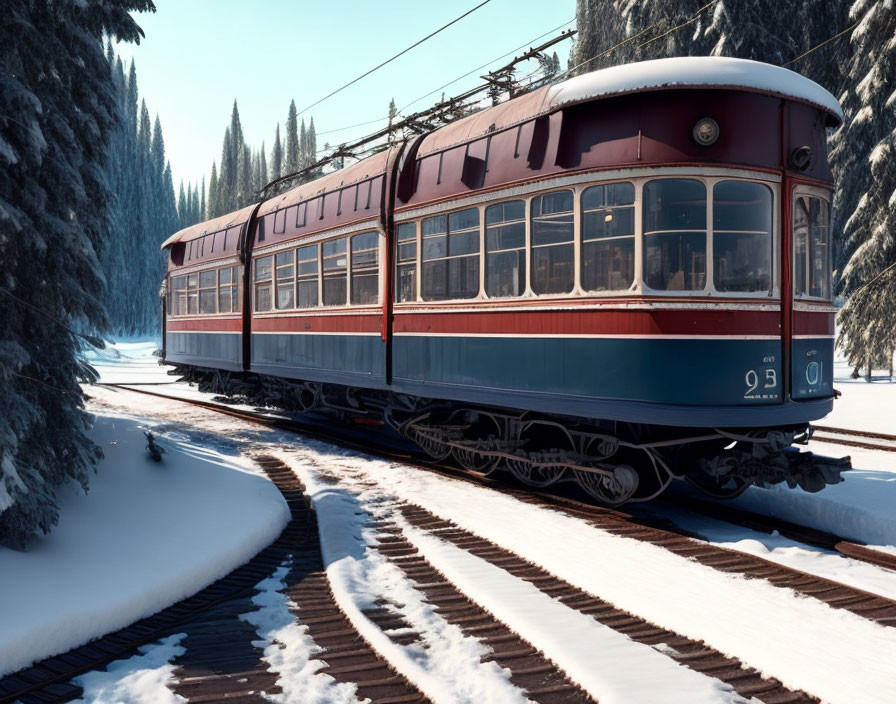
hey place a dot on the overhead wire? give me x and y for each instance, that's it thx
(826, 41)
(400, 53)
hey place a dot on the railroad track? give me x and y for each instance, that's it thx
(855, 438)
(201, 677)
(564, 502)
(220, 660)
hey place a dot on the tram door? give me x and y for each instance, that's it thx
(812, 328)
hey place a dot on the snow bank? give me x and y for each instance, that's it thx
(703, 71)
(146, 536)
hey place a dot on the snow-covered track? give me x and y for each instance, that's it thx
(688, 652)
(668, 536)
(530, 670)
(847, 437)
(803, 534)
(221, 661)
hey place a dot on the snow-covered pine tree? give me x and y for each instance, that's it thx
(293, 154)
(226, 176)
(277, 155)
(865, 161)
(245, 194)
(181, 207)
(213, 193)
(311, 150)
(53, 219)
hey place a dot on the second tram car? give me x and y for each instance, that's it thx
(622, 278)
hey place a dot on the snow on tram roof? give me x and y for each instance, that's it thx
(692, 71)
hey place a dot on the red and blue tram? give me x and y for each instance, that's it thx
(622, 279)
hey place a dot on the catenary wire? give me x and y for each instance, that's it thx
(400, 53)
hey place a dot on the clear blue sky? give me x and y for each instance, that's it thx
(198, 55)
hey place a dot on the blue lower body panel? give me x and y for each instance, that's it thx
(695, 382)
(351, 360)
(204, 349)
(813, 368)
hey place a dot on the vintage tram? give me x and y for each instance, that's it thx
(621, 279)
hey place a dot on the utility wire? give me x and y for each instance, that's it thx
(826, 41)
(489, 63)
(400, 53)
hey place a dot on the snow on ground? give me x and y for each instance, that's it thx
(130, 361)
(147, 535)
(569, 638)
(831, 653)
(627, 671)
(444, 663)
(867, 406)
(776, 548)
(289, 650)
(141, 679)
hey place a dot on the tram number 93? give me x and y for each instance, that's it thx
(758, 381)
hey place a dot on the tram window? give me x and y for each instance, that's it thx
(225, 282)
(365, 268)
(552, 243)
(505, 249)
(179, 295)
(263, 283)
(285, 279)
(208, 293)
(675, 235)
(307, 276)
(608, 237)
(406, 263)
(741, 236)
(192, 294)
(811, 247)
(451, 256)
(335, 264)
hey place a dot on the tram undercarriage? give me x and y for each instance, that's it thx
(613, 462)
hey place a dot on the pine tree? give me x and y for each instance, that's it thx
(865, 161)
(277, 156)
(213, 208)
(181, 207)
(262, 168)
(292, 141)
(58, 112)
(203, 214)
(226, 176)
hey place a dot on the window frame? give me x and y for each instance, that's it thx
(480, 254)
(195, 292)
(638, 287)
(825, 195)
(709, 290)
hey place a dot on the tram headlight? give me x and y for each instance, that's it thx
(706, 132)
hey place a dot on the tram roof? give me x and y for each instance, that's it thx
(691, 72)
